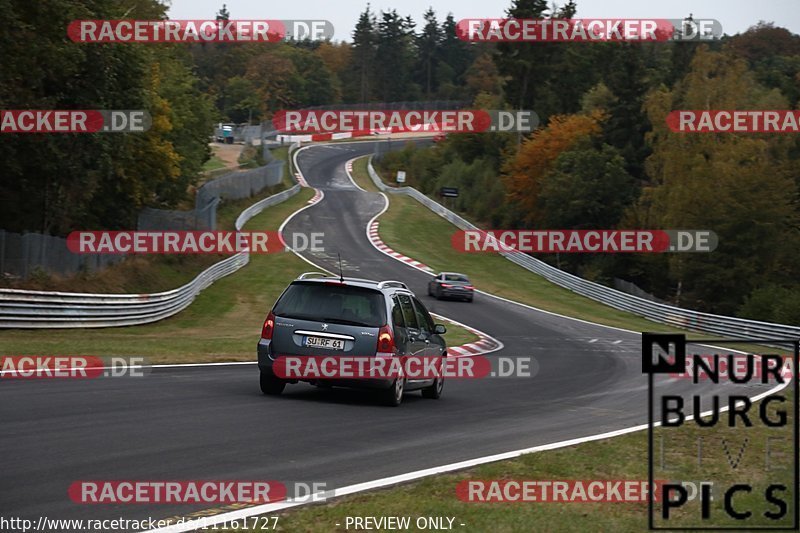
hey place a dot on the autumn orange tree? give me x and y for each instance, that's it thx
(524, 173)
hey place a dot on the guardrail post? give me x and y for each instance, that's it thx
(25, 253)
(43, 238)
(212, 213)
(2, 252)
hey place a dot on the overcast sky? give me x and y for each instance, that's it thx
(735, 15)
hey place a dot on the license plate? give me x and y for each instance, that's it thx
(322, 342)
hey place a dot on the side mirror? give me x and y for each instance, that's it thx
(439, 329)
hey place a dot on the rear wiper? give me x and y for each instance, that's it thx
(297, 315)
(345, 321)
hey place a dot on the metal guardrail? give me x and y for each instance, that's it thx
(47, 309)
(665, 314)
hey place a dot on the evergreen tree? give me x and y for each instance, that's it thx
(363, 56)
(394, 71)
(428, 51)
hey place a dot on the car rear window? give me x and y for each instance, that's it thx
(341, 304)
(455, 277)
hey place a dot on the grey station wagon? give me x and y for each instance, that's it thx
(329, 316)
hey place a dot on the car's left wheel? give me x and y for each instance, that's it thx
(271, 385)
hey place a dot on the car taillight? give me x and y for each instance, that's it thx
(385, 342)
(446, 285)
(470, 287)
(269, 325)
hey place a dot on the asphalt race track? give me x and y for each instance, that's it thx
(214, 423)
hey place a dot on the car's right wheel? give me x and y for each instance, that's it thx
(270, 384)
(434, 392)
(393, 396)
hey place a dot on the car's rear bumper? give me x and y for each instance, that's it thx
(265, 362)
(457, 293)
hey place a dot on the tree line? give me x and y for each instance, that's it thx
(57, 183)
(604, 158)
(54, 183)
(389, 59)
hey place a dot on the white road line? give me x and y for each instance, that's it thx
(174, 365)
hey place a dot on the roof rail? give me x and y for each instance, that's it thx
(392, 283)
(305, 275)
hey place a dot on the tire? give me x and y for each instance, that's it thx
(470, 298)
(434, 392)
(430, 292)
(271, 385)
(393, 396)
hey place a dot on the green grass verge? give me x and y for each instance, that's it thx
(361, 175)
(457, 335)
(214, 163)
(282, 152)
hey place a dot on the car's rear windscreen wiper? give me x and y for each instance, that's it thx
(348, 322)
